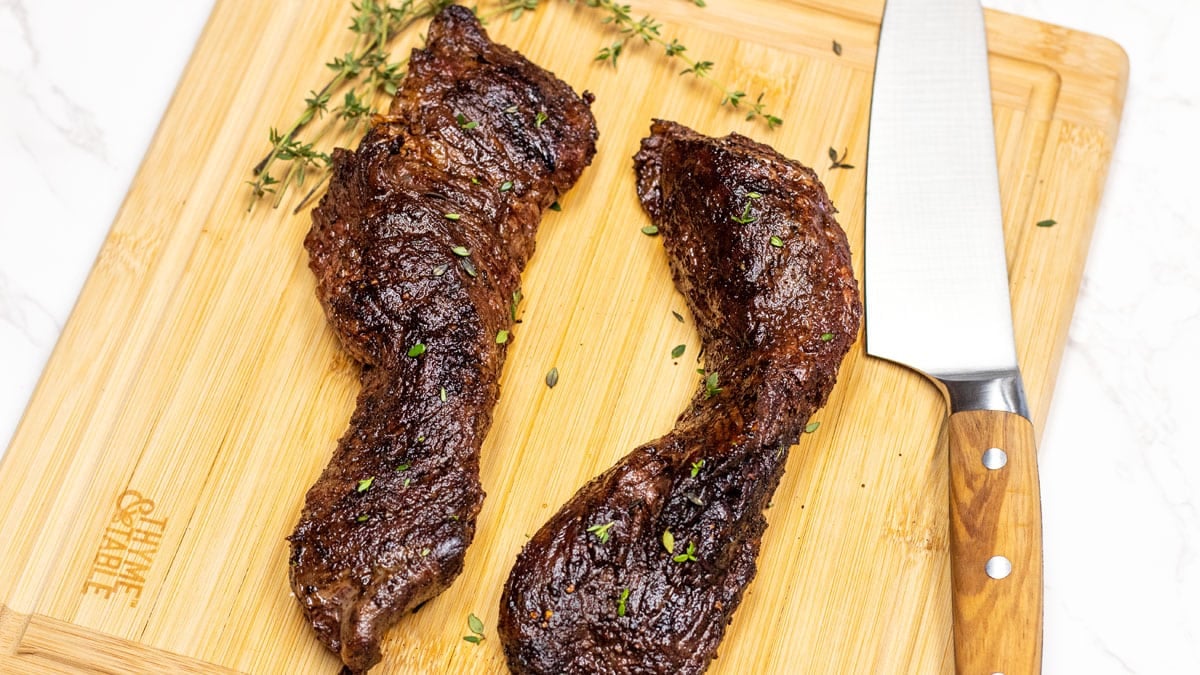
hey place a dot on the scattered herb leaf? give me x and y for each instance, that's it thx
(811, 427)
(506, 186)
(776, 242)
(453, 216)
(711, 384)
(677, 315)
(678, 351)
(601, 531)
(540, 119)
(668, 541)
(475, 624)
(826, 337)
(621, 601)
(650, 230)
(1047, 223)
(502, 337)
(837, 48)
(556, 207)
(552, 377)
(839, 162)
(365, 484)
(687, 556)
(696, 466)
(416, 350)
(362, 518)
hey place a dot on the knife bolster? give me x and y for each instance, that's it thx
(1001, 391)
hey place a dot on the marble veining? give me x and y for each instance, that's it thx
(1120, 460)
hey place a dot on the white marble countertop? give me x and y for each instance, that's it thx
(1120, 485)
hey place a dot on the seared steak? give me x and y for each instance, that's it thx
(418, 248)
(602, 588)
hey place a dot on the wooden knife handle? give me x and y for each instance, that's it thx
(995, 544)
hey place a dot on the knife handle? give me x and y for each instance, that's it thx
(995, 544)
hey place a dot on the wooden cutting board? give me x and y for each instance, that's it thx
(197, 392)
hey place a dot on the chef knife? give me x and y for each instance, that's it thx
(937, 301)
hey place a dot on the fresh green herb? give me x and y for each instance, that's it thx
(540, 119)
(477, 628)
(365, 484)
(506, 186)
(368, 73)
(1047, 223)
(474, 624)
(517, 297)
(696, 466)
(700, 3)
(826, 337)
(621, 601)
(502, 337)
(452, 216)
(403, 467)
(837, 48)
(650, 230)
(677, 315)
(811, 427)
(442, 394)
(552, 377)
(364, 76)
(776, 242)
(362, 518)
(464, 123)
(745, 218)
(416, 350)
(691, 497)
(668, 541)
(556, 207)
(468, 267)
(678, 351)
(648, 30)
(711, 383)
(839, 162)
(407, 482)
(440, 270)
(687, 556)
(424, 552)
(475, 180)
(461, 251)
(601, 531)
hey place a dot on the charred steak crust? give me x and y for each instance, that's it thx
(775, 322)
(478, 143)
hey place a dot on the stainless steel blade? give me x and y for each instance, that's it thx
(936, 278)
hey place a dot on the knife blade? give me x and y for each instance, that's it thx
(937, 301)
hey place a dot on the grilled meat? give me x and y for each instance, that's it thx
(602, 587)
(418, 248)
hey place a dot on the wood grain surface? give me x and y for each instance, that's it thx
(995, 519)
(197, 392)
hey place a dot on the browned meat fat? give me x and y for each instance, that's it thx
(418, 249)
(776, 317)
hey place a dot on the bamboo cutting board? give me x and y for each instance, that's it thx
(196, 392)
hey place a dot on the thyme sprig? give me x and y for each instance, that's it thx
(375, 24)
(364, 77)
(649, 31)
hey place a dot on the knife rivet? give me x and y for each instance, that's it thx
(998, 567)
(995, 458)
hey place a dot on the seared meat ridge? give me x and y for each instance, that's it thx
(596, 590)
(418, 248)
